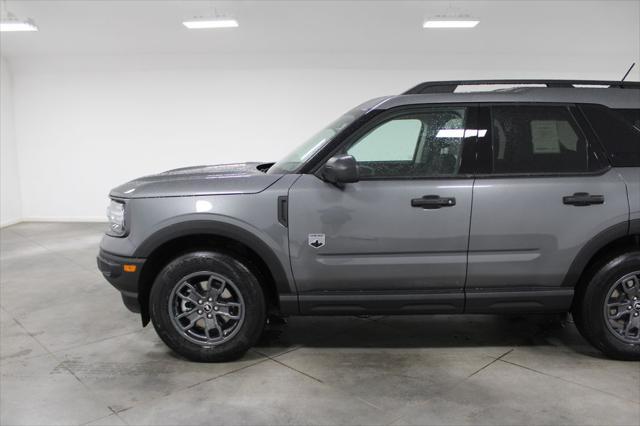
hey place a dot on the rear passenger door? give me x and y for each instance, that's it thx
(543, 191)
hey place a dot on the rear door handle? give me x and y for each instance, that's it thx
(583, 199)
(433, 202)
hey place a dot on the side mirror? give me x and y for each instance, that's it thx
(340, 169)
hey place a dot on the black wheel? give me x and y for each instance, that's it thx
(607, 310)
(208, 306)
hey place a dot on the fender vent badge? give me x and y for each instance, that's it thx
(316, 240)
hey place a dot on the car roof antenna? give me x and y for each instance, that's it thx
(628, 71)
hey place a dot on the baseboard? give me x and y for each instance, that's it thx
(9, 222)
(74, 219)
(64, 219)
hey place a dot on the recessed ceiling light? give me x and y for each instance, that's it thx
(11, 23)
(200, 23)
(450, 23)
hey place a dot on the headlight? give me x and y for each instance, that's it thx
(115, 214)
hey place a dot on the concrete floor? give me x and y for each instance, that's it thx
(71, 354)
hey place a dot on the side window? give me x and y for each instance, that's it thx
(395, 140)
(538, 139)
(619, 137)
(426, 143)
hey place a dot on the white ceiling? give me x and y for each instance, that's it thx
(540, 27)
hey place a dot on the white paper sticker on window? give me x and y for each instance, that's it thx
(544, 137)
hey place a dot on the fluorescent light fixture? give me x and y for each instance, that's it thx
(13, 24)
(200, 24)
(457, 23)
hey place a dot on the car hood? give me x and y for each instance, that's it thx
(240, 178)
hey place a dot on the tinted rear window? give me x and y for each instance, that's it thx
(538, 139)
(618, 136)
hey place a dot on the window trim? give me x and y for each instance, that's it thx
(579, 121)
(389, 114)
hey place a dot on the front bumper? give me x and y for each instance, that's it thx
(125, 280)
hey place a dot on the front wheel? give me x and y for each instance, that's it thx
(208, 306)
(607, 311)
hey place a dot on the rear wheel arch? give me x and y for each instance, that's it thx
(178, 239)
(612, 242)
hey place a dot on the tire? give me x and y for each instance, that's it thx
(606, 287)
(217, 297)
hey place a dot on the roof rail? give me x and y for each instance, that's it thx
(451, 86)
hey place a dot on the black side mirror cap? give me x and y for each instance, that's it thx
(340, 169)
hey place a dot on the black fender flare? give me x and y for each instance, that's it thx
(220, 229)
(586, 253)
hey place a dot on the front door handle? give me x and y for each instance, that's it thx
(583, 199)
(433, 202)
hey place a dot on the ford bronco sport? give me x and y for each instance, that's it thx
(438, 201)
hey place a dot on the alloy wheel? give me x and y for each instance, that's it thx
(622, 308)
(206, 308)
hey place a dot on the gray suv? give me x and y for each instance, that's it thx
(441, 200)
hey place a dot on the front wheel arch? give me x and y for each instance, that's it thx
(171, 242)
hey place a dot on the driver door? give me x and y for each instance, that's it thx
(375, 245)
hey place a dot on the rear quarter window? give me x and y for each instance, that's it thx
(631, 115)
(617, 132)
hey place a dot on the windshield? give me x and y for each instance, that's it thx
(305, 151)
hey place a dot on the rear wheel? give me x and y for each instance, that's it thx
(607, 311)
(208, 306)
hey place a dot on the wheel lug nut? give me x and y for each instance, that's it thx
(215, 308)
(630, 283)
(210, 299)
(200, 311)
(635, 315)
(200, 302)
(209, 315)
(629, 307)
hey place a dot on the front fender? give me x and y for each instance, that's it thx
(274, 252)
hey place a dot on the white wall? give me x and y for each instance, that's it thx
(10, 202)
(86, 125)
(82, 133)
